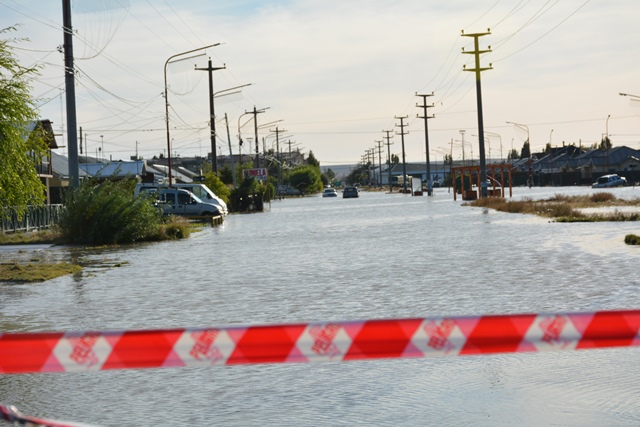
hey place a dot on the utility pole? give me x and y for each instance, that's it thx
(424, 106)
(233, 167)
(387, 137)
(404, 162)
(70, 91)
(380, 160)
(255, 113)
(373, 164)
(278, 132)
(212, 114)
(477, 69)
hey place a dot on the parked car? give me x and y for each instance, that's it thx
(329, 192)
(612, 180)
(173, 201)
(350, 192)
(199, 190)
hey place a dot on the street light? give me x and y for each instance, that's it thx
(230, 89)
(166, 101)
(525, 127)
(633, 97)
(500, 138)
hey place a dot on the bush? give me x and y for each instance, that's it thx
(216, 185)
(107, 213)
(175, 228)
(602, 197)
(632, 239)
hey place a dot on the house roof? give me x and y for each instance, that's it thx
(114, 169)
(60, 166)
(49, 136)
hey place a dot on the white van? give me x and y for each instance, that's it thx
(200, 190)
(174, 201)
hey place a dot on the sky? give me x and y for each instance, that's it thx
(332, 76)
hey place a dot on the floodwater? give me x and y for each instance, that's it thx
(323, 259)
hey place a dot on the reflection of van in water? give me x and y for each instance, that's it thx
(199, 190)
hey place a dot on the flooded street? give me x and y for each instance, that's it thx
(322, 259)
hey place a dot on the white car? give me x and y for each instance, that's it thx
(612, 180)
(329, 192)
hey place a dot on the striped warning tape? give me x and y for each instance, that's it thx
(316, 342)
(11, 414)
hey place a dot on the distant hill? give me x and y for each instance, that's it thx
(341, 171)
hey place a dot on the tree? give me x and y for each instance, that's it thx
(513, 154)
(605, 144)
(312, 161)
(20, 185)
(395, 159)
(306, 179)
(525, 153)
(216, 185)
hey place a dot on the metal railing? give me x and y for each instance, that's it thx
(36, 217)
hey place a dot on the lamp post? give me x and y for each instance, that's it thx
(500, 138)
(525, 127)
(166, 101)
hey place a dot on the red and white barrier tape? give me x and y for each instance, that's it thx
(11, 414)
(316, 342)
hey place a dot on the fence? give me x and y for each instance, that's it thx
(36, 217)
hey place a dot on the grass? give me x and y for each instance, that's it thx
(35, 272)
(564, 208)
(31, 237)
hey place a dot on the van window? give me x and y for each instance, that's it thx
(168, 198)
(198, 191)
(184, 198)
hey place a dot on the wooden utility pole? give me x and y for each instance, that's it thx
(476, 52)
(70, 92)
(426, 138)
(389, 144)
(404, 161)
(380, 159)
(212, 115)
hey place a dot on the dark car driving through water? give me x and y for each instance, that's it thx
(349, 192)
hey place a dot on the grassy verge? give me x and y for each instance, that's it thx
(567, 209)
(31, 237)
(35, 272)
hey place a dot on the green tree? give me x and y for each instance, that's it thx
(525, 153)
(20, 185)
(312, 161)
(395, 159)
(306, 179)
(216, 185)
(512, 155)
(605, 144)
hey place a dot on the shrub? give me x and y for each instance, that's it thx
(632, 239)
(602, 197)
(175, 228)
(217, 186)
(107, 213)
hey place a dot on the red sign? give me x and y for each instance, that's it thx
(257, 173)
